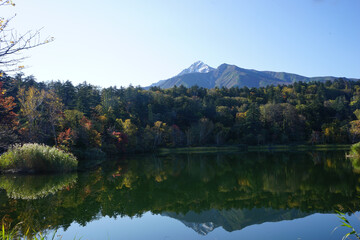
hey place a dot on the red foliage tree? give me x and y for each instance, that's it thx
(122, 140)
(65, 140)
(8, 118)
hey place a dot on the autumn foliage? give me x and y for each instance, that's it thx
(8, 117)
(65, 140)
(86, 118)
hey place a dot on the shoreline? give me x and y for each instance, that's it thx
(260, 148)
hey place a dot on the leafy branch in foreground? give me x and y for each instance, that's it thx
(345, 223)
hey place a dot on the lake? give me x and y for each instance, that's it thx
(282, 195)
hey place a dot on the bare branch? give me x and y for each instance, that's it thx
(12, 43)
(6, 2)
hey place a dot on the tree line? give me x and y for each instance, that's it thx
(87, 118)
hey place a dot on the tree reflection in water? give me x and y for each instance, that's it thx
(229, 190)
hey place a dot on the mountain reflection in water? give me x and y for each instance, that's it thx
(203, 191)
(233, 219)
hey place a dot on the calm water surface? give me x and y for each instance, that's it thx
(290, 195)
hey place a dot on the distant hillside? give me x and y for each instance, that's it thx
(229, 76)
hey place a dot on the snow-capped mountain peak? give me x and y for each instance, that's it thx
(197, 67)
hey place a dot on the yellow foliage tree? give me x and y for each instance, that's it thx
(30, 100)
(130, 130)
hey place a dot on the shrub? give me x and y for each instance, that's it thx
(34, 157)
(355, 149)
(355, 156)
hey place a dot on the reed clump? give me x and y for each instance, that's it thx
(37, 158)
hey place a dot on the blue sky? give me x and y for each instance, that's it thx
(122, 42)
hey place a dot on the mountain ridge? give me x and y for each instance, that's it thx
(227, 75)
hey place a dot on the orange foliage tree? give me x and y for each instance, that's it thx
(8, 117)
(8, 120)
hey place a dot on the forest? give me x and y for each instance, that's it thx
(88, 120)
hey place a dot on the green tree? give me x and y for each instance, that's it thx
(205, 130)
(53, 108)
(162, 135)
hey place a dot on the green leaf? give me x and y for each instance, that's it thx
(346, 225)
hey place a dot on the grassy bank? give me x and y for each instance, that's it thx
(31, 157)
(260, 148)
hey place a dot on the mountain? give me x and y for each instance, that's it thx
(228, 76)
(233, 219)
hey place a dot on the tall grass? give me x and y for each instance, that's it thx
(16, 234)
(34, 157)
(8, 233)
